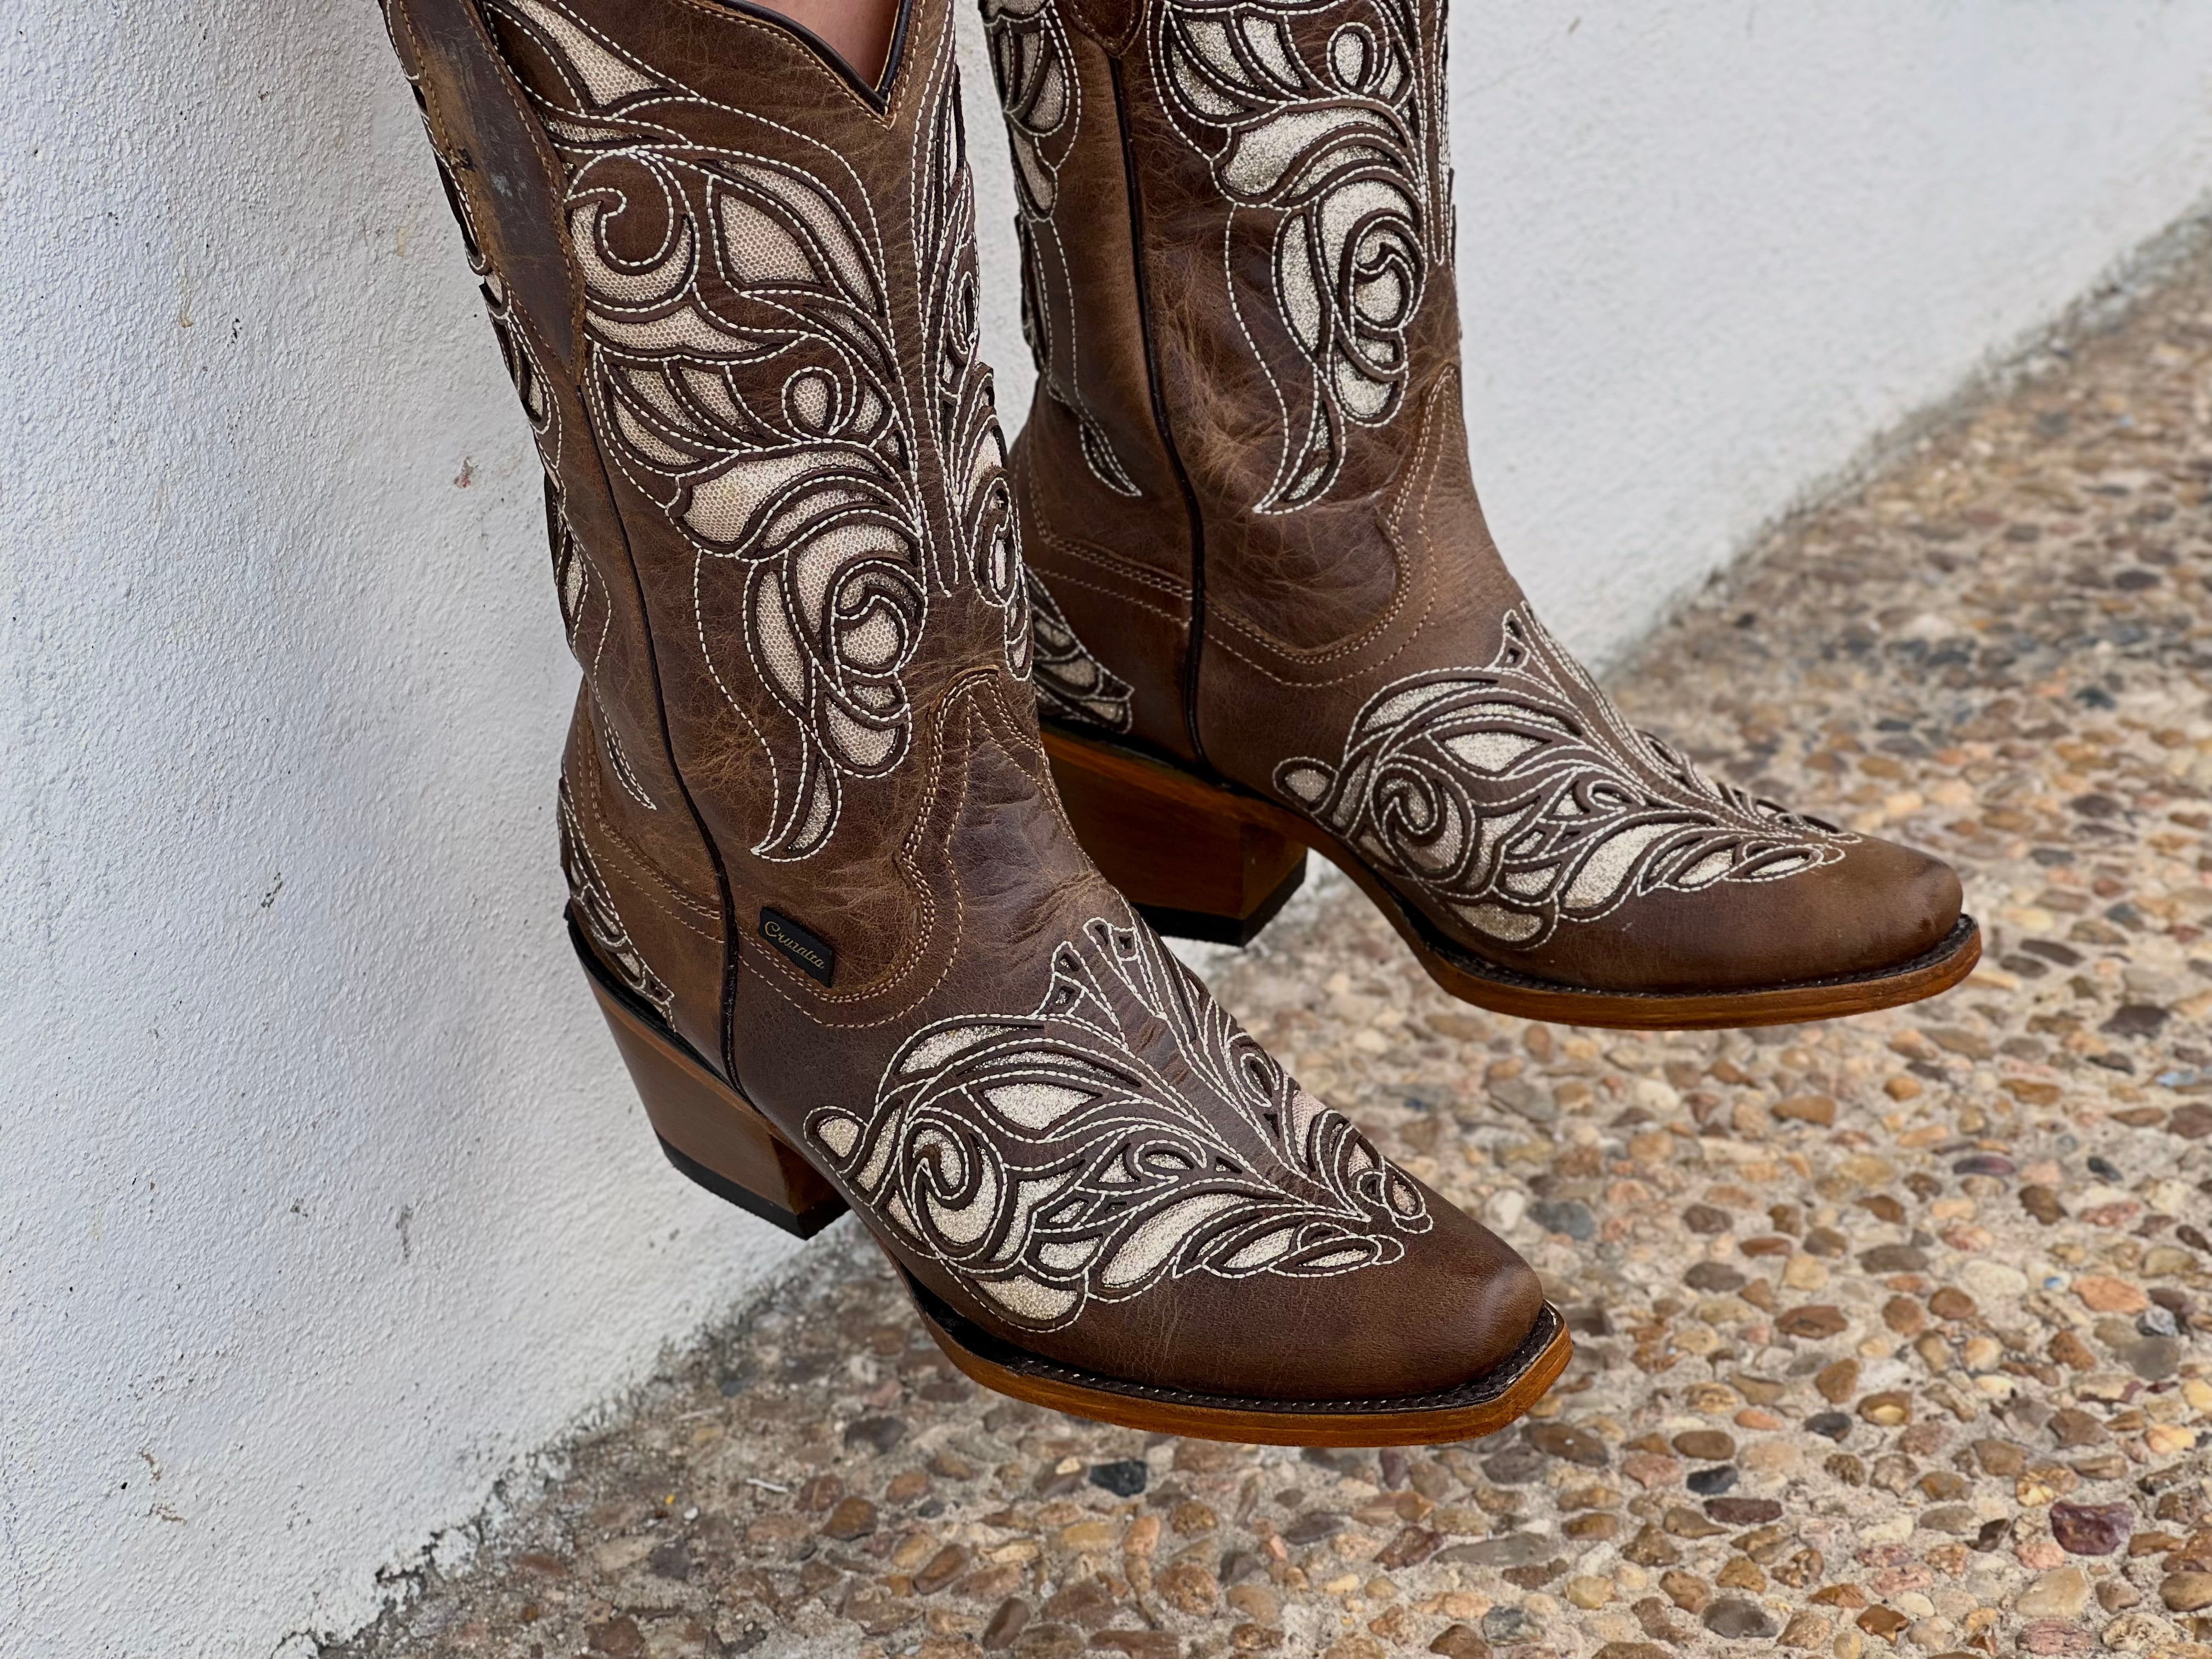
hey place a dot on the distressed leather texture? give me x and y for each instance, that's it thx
(786, 547)
(1364, 654)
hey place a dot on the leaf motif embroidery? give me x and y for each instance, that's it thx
(1124, 1134)
(1334, 146)
(744, 366)
(1516, 798)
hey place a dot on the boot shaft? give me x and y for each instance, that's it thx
(738, 290)
(807, 823)
(1237, 236)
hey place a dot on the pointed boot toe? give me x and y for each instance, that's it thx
(1270, 617)
(817, 871)
(1872, 914)
(1465, 1305)
(1488, 1300)
(1443, 1309)
(1879, 907)
(1908, 904)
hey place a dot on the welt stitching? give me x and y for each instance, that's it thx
(640, 863)
(1113, 563)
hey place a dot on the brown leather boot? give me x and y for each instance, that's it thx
(826, 893)
(1281, 623)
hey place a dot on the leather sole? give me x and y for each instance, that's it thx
(718, 1138)
(1178, 845)
(1482, 1407)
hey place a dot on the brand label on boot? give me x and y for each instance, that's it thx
(813, 953)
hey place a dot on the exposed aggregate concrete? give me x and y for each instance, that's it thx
(1894, 1333)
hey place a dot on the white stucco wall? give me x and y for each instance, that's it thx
(1709, 249)
(322, 1199)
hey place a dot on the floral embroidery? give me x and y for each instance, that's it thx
(744, 360)
(1125, 1133)
(1518, 798)
(1334, 144)
(1071, 684)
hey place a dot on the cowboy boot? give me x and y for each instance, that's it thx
(1280, 622)
(824, 890)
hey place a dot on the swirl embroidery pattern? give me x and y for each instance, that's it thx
(1071, 684)
(595, 907)
(745, 363)
(1042, 99)
(1335, 144)
(1048, 1159)
(1517, 797)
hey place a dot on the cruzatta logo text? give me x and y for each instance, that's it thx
(813, 953)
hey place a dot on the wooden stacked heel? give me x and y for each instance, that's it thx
(714, 1135)
(1198, 861)
(1197, 857)
(709, 1130)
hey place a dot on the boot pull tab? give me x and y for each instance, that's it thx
(500, 159)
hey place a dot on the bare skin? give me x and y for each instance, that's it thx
(858, 31)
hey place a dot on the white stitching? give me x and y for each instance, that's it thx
(1411, 557)
(1042, 1100)
(1515, 798)
(641, 864)
(1361, 215)
(641, 400)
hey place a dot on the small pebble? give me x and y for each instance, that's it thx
(2186, 1592)
(1736, 1619)
(1890, 1332)
(1125, 1478)
(1504, 1624)
(2091, 1529)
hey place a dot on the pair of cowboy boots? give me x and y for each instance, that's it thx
(849, 933)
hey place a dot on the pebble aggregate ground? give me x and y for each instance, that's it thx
(1895, 1335)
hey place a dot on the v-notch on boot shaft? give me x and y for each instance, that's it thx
(1277, 620)
(737, 295)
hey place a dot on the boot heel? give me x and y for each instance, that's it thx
(1198, 861)
(709, 1130)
